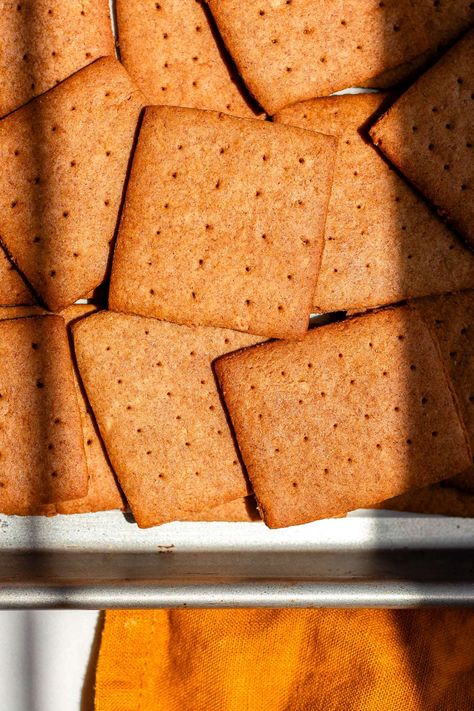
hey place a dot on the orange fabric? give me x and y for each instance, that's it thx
(287, 660)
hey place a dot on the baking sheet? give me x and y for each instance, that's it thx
(369, 559)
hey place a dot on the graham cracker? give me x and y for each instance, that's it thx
(382, 243)
(451, 318)
(64, 161)
(436, 499)
(13, 289)
(357, 412)
(174, 54)
(428, 135)
(292, 51)
(152, 390)
(42, 456)
(445, 21)
(223, 222)
(45, 41)
(103, 493)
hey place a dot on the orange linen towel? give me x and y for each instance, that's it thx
(287, 660)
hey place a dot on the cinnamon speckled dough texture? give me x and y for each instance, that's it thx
(13, 289)
(64, 159)
(428, 134)
(42, 456)
(154, 396)
(292, 51)
(44, 41)
(357, 412)
(223, 222)
(382, 242)
(103, 493)
(445, 21)
(176, 57)
(451, 318)
(435, 499)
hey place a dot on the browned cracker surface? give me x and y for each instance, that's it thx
(382, 242)
(42, 455)
(44, 41)
(357, 412)
(435, 499)
(103, 493)
(154, 396)
(175, 56)
(428, 134)
(223, 222)
(291, 51)
(64, 159)
(451, 318)
(13, 289)
(445, 20)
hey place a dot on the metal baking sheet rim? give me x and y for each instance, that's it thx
(369, 559)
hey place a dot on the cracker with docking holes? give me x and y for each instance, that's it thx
(356, 413)
(428, 133)
(293, 50)
(152, 390)
(64, 160)
(223, 222)
(42, 455)
(173, 52)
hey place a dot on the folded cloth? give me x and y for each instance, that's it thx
(286, 660)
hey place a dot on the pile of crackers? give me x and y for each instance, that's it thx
(174, 207)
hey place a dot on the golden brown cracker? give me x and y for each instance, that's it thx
(64, 161)
(357, 412)
(292, 51)
(152, 390)
(173, 53)
(428, 133)
(42, 456)
(223, 222)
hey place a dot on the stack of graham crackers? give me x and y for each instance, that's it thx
(205, 194)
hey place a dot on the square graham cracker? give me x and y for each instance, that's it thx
(223, 222)
(103, 493)
(42, 455)
(64, 161)
(45, 41)
(173, 52)
(153, 393)
(428, 133)
(451, 318)
(289, 51)
(382, 243)
(356, 413)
